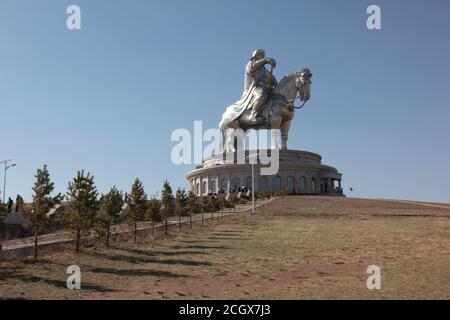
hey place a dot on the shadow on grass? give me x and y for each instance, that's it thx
(224, 234)
(206, 247)
(227, 238)
(160, 253)
(230, 231)
(195, 241)
(138, 260)
(136, 272)
(60, 284)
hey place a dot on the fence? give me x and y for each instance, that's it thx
(20, 248)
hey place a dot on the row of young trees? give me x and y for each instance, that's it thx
(2, 217)
(2, 212)
(89, 211)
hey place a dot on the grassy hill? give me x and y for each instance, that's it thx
(294, 248)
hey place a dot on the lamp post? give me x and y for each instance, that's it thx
(5, 162)
(253, 187)
(252, 159)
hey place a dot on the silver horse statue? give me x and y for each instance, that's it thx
(276, 112)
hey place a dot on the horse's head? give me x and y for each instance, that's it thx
(303, 84)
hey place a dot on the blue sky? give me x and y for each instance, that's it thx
(107, 98)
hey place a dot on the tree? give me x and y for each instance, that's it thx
(205, 207)
(110, 207)
(221, 203)
(213, 206)
(2, 219)
(2, 212)
(84, 205)
(191, 206)
(137, 201)
(180, 204)
(167, 203)
(42, 203)
(154, 212)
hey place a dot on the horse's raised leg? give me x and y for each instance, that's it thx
(276, 124)
(285, 126)
(229, 141)
(230, 137)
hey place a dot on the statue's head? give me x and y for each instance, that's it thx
(259, 54)
(303, 84)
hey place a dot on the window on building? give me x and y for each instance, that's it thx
(248, 182)
(224, 184)
(304, 184)
(313, 184)
(277, 184)
(212, 186)
(291, 185)
(236, 183)
(264, 183)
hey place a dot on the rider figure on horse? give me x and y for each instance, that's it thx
(259, 81)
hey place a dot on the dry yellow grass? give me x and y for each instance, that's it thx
(295, 248)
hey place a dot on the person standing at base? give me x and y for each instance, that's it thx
(9, 204)
(19, 203)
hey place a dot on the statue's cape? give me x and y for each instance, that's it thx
(235, 110)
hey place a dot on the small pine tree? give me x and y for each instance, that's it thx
(83, 202)
(167, 203)
(137, 201)
(154, 212)
(210, 206)
(42, 203)
(191, 206)
(180, 204)
(221, 203)
(204, 206)
(110, 207)
(2, 213)
(216, 203)
(2, 220)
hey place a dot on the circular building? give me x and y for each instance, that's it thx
(299, 172)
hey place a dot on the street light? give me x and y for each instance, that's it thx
(252, 158)
(5, 162)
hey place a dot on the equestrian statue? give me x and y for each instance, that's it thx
(265, 103)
